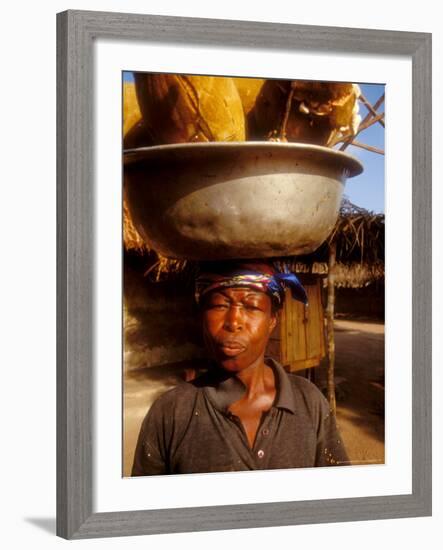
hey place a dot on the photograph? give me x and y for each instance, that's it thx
(221, 300)
(253, 257)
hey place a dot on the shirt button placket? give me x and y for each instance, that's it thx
(264, 432)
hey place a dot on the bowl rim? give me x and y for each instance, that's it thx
(353, 166)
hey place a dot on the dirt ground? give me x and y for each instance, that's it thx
(359, 390)
(359, 375)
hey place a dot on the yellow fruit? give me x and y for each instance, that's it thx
(318, 110)
(131, 111)
(336, 100)
(248, 89)
(269, 113)
(182, 108)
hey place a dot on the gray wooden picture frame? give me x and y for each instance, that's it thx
(76, 32)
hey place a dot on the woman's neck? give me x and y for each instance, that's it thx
(257, 378)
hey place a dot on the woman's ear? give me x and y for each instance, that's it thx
(273, 322)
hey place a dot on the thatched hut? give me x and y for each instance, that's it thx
(357, 245)
(351, 260)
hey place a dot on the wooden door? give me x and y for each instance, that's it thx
(302, 340)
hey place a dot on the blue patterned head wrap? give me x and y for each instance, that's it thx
(259, 276)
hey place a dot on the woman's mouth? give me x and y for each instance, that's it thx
(231, 348)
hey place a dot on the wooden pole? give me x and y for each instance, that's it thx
(348, 139)
(368, 147)
(286, 115)
(330, 326)
(370, 108)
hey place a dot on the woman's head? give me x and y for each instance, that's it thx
(239, 303)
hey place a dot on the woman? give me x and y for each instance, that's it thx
(246, 412)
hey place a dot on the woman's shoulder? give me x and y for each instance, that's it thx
(308, 393)
(183, 391)
(302, 384)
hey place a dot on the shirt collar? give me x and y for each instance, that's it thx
(223, 388)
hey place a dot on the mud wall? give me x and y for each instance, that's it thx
(361, 302)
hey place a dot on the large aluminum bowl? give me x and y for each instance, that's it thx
(215, 201)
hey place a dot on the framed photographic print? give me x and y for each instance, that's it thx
(186, 144)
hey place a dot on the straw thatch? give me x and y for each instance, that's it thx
(131, 239)
(359, 237)
(347, 275)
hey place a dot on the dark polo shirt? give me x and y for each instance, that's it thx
(189, 429)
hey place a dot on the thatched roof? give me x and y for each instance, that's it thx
(347, 275)
(358, 233)
(131, 239)
(359, 236)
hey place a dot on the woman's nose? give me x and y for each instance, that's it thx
(234, 319)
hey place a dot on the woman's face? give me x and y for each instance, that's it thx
(237, 323)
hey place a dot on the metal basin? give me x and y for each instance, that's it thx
(215, 201)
